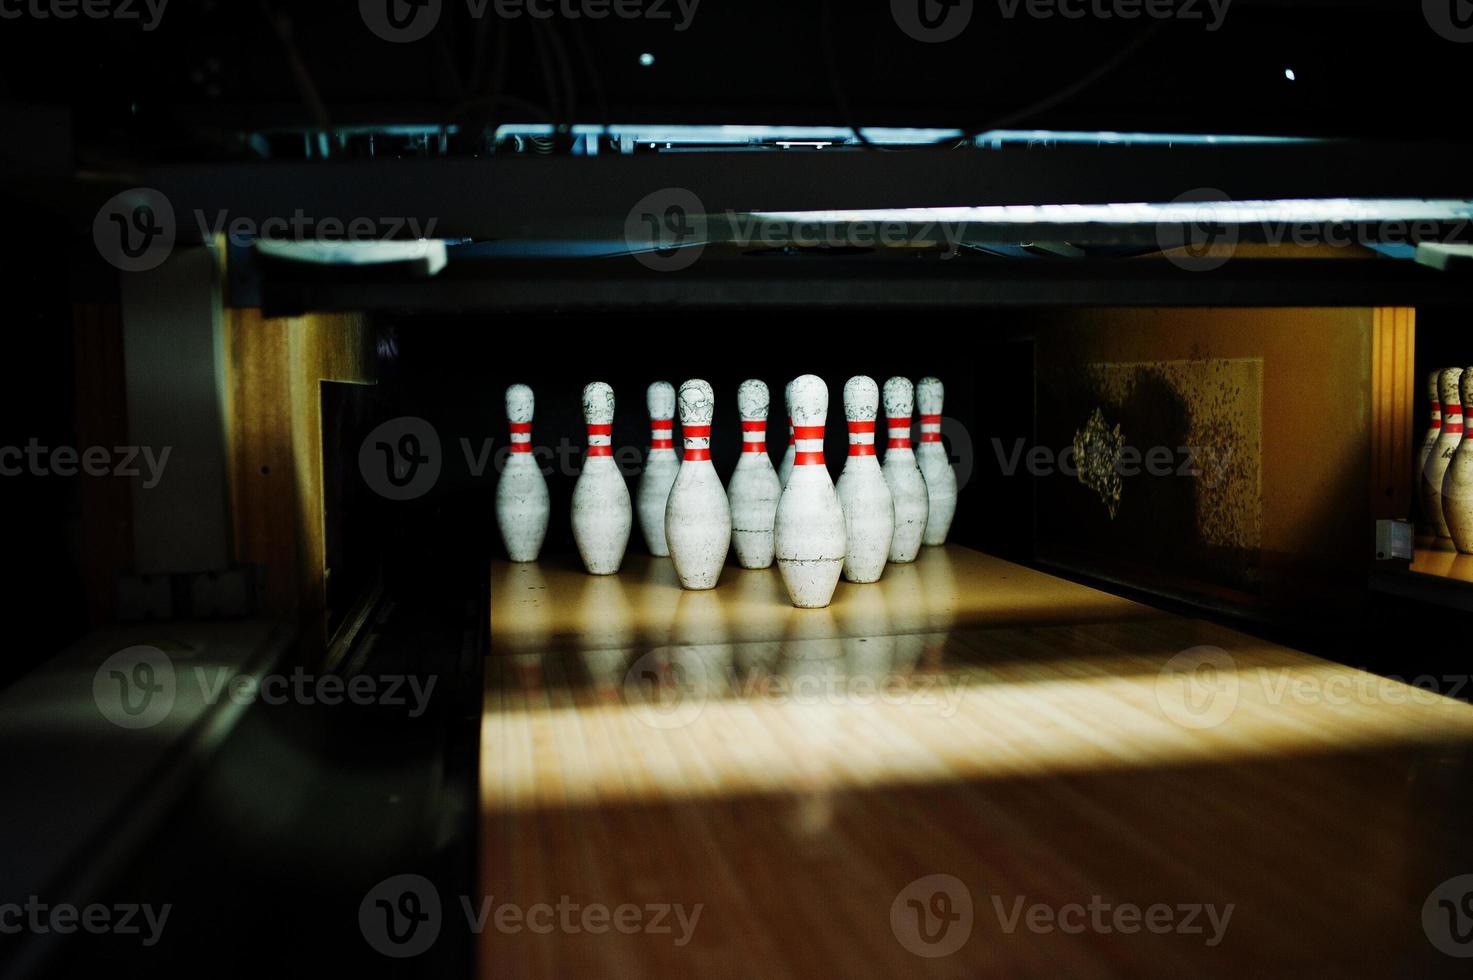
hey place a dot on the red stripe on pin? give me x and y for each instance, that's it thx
(600, 450)
(697, 455)
(521, 428)
(861, 449)
(696, 431)
(808, 459)
(662, 443)
(898, 423)
(930, 420)
(601, 430)
(807, 432)
(521, 447)
(754, 447)
(899, 444)
(754, 426)
(930, 437)
(860, 428)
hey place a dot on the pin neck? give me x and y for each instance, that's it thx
(808, 445)
(697, 443)
(930, 428)
(662, 432)
(899, 433)
(862, 438)
(1452, 419)
(601, 439)
(754, 436)
(521, 437)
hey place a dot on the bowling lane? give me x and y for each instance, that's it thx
(1197, 800)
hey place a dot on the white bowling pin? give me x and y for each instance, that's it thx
(907, 485)
(1433, 429)
(754, 486)
(869, 510)
(659, 469)
(1448, 438)
(1457, 482)
(522, 507)
(785, 468)
(935, 464)
(697, 516)
(603, 514)
(810, 521)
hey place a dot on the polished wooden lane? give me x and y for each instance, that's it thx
(1116, 791)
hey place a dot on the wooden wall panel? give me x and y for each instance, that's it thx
(276, 370)
(1393, 385)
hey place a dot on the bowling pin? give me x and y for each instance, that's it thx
(1448, 438)
(754, 486)
(1433, 429)
(522, 507)
(907, 485)
(935, 464)
(659, 469)
(869, 511)
(697, 516)
(1457, 482)
(785, 468)
(603, 514)
(810, 521)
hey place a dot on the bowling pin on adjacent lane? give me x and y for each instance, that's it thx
(1457, 482)
(1448, 438)
(907, 485)
(697, 516)
(1434, 428)
(869, 510)
(603, 514)
(659, 469)
(754, 486)
(522, 507)
(785, 468)
(935, 464)
(810, 533)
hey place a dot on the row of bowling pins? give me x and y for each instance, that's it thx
(796, 515)
(1445, 460)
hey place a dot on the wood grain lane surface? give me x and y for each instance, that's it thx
(969, 769)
